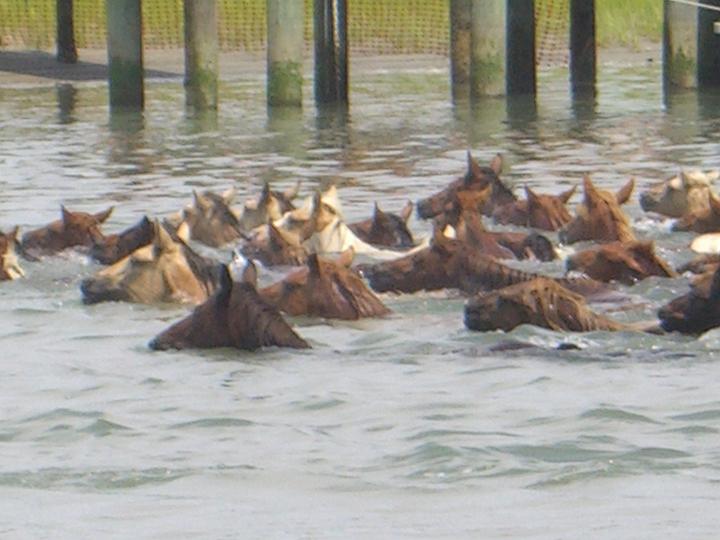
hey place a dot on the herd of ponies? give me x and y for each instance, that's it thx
(154, 260)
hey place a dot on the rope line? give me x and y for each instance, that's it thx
(697, 4)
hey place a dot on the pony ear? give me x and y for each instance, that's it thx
(346, 257)
(229, 195)
(314, 264)
(225, 284)
(406, 212)
(14, 235)
(292, 192)
(473, 169)
(565, 196)
(531, 197)
(66, 214)
(265, 193)
(714, 203)
(102, 216)
(589, 189)
(623, 194)
(249, 274)
(163, 241)
(496, 164)
(378, 214)
(277, 240)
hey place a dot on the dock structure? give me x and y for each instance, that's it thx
(492, 49)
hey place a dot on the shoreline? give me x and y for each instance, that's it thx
(39, 68)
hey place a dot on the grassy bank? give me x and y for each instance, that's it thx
(378, 26)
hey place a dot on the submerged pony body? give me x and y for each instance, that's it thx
(235, 316)
(683, 194)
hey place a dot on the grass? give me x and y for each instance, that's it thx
(396, 26)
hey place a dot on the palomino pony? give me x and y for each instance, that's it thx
(706, 220)
(600, 217)
(278, 248)
(235, 316)
(683, 194)
(167, 270)
(626, 262)
(325, 288)
(72, 229)
(9, 265)
(541, 302)
(211, 220)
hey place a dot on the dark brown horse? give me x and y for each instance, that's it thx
(541, 302)
(73, 229)
(626, 262)
(113, 247)
(325, 288)
(539, 211)
(385, 228)
(235, 316)
(600, 217)
(697, 311)
(9, 265)
(476, 178)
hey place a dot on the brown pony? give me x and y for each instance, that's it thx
(683, 194)
(697, 311)
(211, 220)
(540, 302)
(599, 217)
(110, 249)
(235, 316)
(626, 262)
(704, 221)
(701, 264)
(278, 247)
(476, 178)
(546, 212)
(386, 229)
(450, 263)
(73, 229)
(325, 288)
(270, 206)
(9, 266)
(166, 270)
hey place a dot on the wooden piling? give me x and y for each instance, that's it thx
(331, 61)
(708, 54)
(680, 40)
(583, 53)
(488, 51)
(66, 49)
(521, 65)
(201, 54)
(285, 25)
(125, 58)
(460, 25)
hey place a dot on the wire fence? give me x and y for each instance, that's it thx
(374, 26)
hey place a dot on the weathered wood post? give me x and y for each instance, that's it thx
(708, 56)
(488, 51)
(66, 50)
(680, 40)
(331, 60)
(201, 54)
(583, 53)
(460, 42)
(125, 58)
(521, 65)
(285, 25)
